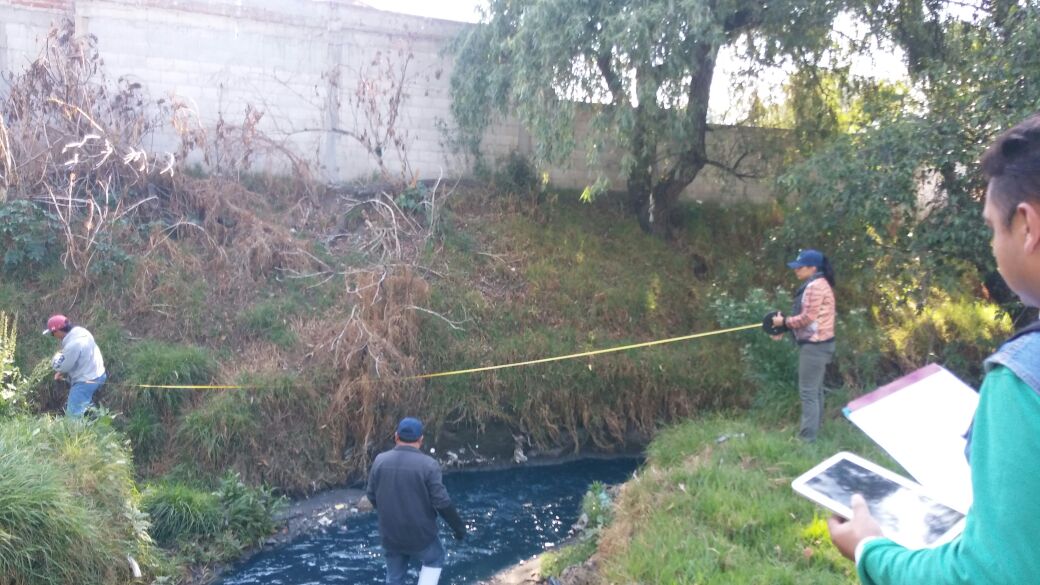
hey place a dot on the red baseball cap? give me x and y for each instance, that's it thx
(55, 323)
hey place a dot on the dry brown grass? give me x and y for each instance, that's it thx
(376, 348)
(204, 248)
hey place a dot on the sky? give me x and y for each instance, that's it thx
(461, 10)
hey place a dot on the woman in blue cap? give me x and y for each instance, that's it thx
(812, 323)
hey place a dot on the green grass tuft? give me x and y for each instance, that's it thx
(180, 512)
(269, 320)
(68, 504)
(160, 363)
(221, 428)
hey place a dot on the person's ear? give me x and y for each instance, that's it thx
(1030, 215)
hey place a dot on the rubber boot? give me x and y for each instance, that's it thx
(429, 575)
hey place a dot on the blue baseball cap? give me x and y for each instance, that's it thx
(807, 258)
(409, 430)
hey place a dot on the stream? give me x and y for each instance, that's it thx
(512, 514)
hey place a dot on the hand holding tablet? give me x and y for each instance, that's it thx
(905, 512)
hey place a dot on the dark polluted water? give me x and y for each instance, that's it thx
(512, 514)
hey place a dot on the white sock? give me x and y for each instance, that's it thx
(429, 575)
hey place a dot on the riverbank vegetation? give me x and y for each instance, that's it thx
(74, 509)
(317, 303)
(713, 504)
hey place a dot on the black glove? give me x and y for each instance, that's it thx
(451, 516)
(768, 327)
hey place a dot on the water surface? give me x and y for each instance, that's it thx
(512, 514)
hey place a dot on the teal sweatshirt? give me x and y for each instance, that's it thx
(1001, 539)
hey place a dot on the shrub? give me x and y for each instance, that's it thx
(597, 506)
(860, 357)
(179, 512)
(770, 366)
(516, 176)
(207, 526)
(248, 512)
(27, 235)
(956, 333)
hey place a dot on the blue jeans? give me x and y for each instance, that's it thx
(397, 563)
(80, 395)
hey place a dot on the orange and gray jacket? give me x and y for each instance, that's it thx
(812, 316)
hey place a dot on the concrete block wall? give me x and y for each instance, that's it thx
(300, 62)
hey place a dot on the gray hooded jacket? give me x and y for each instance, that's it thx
(79, 359)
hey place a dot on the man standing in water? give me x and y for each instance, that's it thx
(406, 490)
(79, 361)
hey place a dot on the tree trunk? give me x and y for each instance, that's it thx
(658, 202)
(640, 177)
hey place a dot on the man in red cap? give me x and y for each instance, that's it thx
(79, 361)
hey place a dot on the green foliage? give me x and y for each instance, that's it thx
(580, 278)
(597, 506)
(822, 103)
(248, 512)
(15, 387)
(863, 355)
(269, 320)
(27, 235)
(861, 197)
(517, 176)
(956, 332)
(770, 366)
(647, 66)
(210, 525)
(160, 363)
(224, 426)
(181, 512)
(414, 199)
(68, 503)
(10, 376)
(146, 432)
(554, 562)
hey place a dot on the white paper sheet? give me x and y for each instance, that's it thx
(920, 420)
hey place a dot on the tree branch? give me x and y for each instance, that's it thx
(734, 169)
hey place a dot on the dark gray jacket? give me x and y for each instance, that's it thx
(406, 490)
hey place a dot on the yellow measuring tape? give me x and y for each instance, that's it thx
(504, 366)
(583, 354)
(195, 387)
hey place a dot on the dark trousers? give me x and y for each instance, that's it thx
(397, 562)
(812, 363)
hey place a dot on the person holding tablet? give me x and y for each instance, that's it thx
(997, 545)
(812, 323)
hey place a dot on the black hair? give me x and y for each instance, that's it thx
(827, 270)
(1012, 166)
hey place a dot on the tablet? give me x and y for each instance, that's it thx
(907, 514)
